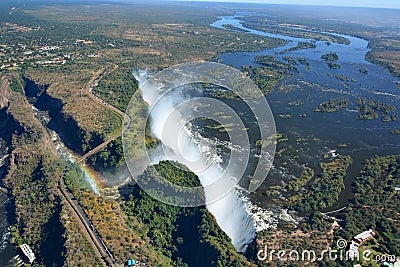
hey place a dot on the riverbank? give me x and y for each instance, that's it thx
(310, 134)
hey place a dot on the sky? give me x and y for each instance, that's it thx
(356, 3)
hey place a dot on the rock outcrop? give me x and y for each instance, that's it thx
(4, 93)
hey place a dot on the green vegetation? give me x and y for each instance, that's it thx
(177, 174)
(111, 158)
(262, 23)
(117, 87)
(76, 245)
(363, 70)
(330, 60)
(302, 181)
(17, 85)
(384, 48)
(234, 28)
(375, 205)
(303, 61)
(31, 180)
(69, 50)
(271, 62)
(68, 85)
(111, 222)
(266, 78)
(332, 105)
(341, 77)
(290, 60)
(371, 109)
(325, 189)
(332, 56)
(314, 233)
(385, 52)
(151, 34)
(55, 45)
(332, 65)
(300, 46)
(183, 236)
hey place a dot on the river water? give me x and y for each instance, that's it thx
(311, 135)
(7, 252)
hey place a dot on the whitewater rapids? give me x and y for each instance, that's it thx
(166, 125)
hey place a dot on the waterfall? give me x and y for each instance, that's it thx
(166, 125)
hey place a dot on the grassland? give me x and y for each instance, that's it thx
(69, 84)
(148, 35)
(140, 36)
(386, 52)
(65, 55)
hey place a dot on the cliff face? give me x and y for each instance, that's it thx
(31, 181)
(72, 134)
(4, 93)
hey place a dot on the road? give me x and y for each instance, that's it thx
(99, 247)
(92, 236)
(124, 117)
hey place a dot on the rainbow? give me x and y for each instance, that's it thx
(94, 179)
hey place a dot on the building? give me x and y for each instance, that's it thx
(364, 236)
(28, 253)
(357, 241)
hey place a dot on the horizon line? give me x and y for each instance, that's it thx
(289, 4)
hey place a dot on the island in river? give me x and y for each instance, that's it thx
(333, 167)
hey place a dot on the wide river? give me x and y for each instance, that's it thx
(311, 135)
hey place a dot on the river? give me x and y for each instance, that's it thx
(7, 251)
(311, 135)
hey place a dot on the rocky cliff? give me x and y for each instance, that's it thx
(4, 93)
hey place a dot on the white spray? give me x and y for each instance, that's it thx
(229, 211)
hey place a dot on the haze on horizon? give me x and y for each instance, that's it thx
(348, 3)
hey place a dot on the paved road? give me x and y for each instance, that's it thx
(124, 117)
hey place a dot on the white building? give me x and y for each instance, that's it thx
(27, 251)
(357, 241)
(364, 236)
